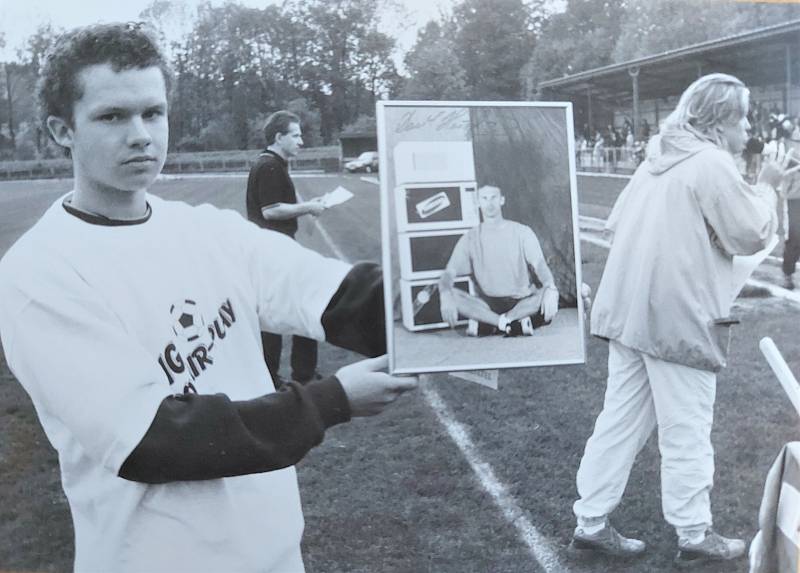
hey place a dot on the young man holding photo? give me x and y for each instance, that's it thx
(133, 323)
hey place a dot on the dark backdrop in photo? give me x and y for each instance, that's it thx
(524, 151)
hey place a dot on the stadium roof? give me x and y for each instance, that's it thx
(757, 57)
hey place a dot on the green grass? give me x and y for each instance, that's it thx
(392, 493)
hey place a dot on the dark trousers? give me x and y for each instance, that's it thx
(304, 355)
(791, 249)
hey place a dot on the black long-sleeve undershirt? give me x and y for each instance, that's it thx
(198, 437)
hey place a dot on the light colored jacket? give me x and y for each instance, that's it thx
(667, 286)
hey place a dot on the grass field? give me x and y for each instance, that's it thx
(394, 493)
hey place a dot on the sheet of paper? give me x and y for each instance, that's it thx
(336, 197)
(486, 378)
(743, 267)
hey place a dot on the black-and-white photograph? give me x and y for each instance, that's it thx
(481, 265)
(399, 286)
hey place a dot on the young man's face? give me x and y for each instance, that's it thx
(291, 141)
(491, 201)
(119, 132)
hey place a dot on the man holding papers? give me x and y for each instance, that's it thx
(272, 204)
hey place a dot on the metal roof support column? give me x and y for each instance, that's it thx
(589, 111)
(787, 93)
(633, 72)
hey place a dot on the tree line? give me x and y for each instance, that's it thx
(329, 60)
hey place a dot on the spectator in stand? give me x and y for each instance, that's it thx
(599, 149)
(796, 130)
(645, 130)
(791, 189)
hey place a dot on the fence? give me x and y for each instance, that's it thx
(609, 159)
(327, 159)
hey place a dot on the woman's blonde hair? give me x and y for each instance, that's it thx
(709, 103)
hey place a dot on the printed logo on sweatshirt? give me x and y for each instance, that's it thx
(189, 353)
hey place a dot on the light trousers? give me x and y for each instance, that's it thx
(643, 393)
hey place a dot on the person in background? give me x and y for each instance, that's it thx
(663, 305)
(272, 204)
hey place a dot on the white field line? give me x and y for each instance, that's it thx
(311, 174)
(540, 548)
(596, 174)
(336, 250)
(774, 290)
(592, 220)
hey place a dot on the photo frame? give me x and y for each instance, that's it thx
(437, 159)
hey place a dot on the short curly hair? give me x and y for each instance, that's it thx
(122, 45)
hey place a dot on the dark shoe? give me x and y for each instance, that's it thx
(607, 541)
(537, 320)
(788, 282)
(521, 327)
(514, 329)
(713, 547)
(475, 328)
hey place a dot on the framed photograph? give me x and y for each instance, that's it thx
(479, 223)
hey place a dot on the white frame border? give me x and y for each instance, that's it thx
(380, 108)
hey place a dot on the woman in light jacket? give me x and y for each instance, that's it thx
(663, 305)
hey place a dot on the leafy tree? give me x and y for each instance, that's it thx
(493, 40)
(654, 26)
(341, 55)
(581, 37)
(362, 124)
(434, 71)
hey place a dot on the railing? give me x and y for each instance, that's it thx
(326, 159)
(609, 159)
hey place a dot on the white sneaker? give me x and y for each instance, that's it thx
(503, 324)
(713, 547)
(607, 541)
(527, 326)
(472, 327)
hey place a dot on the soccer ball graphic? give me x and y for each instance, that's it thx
(187, 322)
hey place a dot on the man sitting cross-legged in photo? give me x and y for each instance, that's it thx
(498, 254)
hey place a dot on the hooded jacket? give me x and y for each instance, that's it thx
(667, 287)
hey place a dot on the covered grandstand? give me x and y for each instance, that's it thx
(643, 91)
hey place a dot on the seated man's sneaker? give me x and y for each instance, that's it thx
(514, 329)
(527, 326)
(606, 541)
(713, 547)
(477, 328)
(503, 324)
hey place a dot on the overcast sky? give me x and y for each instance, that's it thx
(20, 18)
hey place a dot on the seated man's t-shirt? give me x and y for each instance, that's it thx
(498, 255)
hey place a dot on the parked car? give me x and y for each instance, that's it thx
(367, 161)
